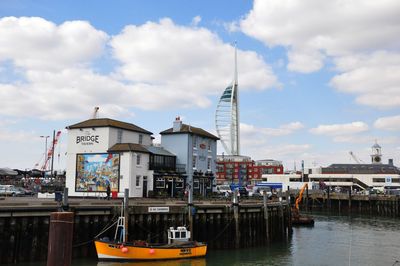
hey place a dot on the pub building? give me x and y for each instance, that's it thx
(169, 180)
(196, 154)
(104, 152)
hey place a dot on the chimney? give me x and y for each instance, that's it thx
(177, 124)
(390, 162)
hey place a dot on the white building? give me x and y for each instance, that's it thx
(105, 151)
(356, 176)
(196, 152)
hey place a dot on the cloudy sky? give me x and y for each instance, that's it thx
(317, 79)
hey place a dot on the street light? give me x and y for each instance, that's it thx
(45, 149)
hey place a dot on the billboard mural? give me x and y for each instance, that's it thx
(95, 171)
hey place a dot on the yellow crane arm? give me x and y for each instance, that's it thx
(300, 196)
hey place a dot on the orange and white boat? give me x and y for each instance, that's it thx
(179, 246)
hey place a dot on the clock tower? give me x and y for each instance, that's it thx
(376, 156)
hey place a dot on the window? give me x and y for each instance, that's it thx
(196, 184)
(194, 161)
(194, 141)
(179, 183)
(160, 182)
(209, 163)
(119, 136)
(140, 139)
(138, 180)
(209, 145)
(138, 157)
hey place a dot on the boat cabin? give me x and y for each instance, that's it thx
(179, 235)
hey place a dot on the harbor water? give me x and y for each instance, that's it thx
(334, 240)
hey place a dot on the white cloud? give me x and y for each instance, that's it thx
(388, 123)
(360, 36)
(305, 62)
(286, 129)
(333, 27)
(196, 20)
(35, 43)
(374, 78)
(340, 129)
(155, 72)
(186, 68)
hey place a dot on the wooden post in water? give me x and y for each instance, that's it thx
(307, 198)
(236, 218)
(190, 216)
(350, 199)
(126, 212)
(65, 205)
(265, 201)
(59, 251)
(288, 211)
(329, 198)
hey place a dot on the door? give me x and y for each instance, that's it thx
(144, 186)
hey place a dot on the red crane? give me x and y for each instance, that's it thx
(50, 152)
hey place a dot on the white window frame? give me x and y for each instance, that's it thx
(159, 179)
(138, 159)
(137, 181)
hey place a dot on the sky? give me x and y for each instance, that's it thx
(317, 79)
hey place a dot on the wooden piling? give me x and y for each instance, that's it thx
(236, 218)
(265, 201)
(60, 239)
(350, 199)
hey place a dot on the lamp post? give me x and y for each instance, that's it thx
(45, 149)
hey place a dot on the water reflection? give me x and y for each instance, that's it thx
(334, 240)
(183, 262)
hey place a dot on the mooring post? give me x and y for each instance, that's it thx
(190, 214)
(289, 216)
(65, 205)
(329, 198)
(59, 249)
(265, 200)
(307, 198)
(236, 217)
(126, 212)
(350, 199)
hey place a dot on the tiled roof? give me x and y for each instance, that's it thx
(187, 129)
(159, 151)
(106, 122)
(119, 147)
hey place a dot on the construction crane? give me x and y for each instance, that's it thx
(355, 157)
(50, 152)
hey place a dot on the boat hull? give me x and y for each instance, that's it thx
(112, 251)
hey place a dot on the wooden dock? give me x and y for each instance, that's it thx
(375, 205)
(24, 223)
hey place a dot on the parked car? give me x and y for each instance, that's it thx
(25, 191)
(224, 190)
(9, 190)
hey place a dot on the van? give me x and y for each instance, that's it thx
(224, 190)
(9, 190)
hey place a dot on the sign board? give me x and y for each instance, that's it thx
(158, 209)
(388, 180)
